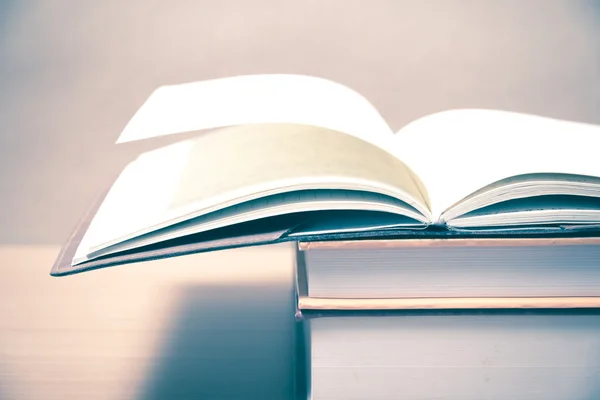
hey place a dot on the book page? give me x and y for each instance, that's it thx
(226, 167)
(456, 153)
(252, 99)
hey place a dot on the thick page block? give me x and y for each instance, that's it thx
(491, 354)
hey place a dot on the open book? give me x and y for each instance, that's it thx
(309, 158)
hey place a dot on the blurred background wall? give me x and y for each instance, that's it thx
(73, 72)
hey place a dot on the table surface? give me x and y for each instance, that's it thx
(213, 325)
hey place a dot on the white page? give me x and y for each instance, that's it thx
(458, 152)
(213, 171)
(251, 99)
(140, 195)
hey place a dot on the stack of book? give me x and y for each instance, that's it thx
(458, 258)
(451, 318)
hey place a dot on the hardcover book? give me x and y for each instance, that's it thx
(454, 354)
(447, 274)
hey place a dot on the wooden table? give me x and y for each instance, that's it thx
(215, 325)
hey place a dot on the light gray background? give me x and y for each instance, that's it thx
(73, 72)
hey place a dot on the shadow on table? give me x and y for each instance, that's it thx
(227, 342)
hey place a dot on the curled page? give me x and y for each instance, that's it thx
(470, 149)
(251, 99)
